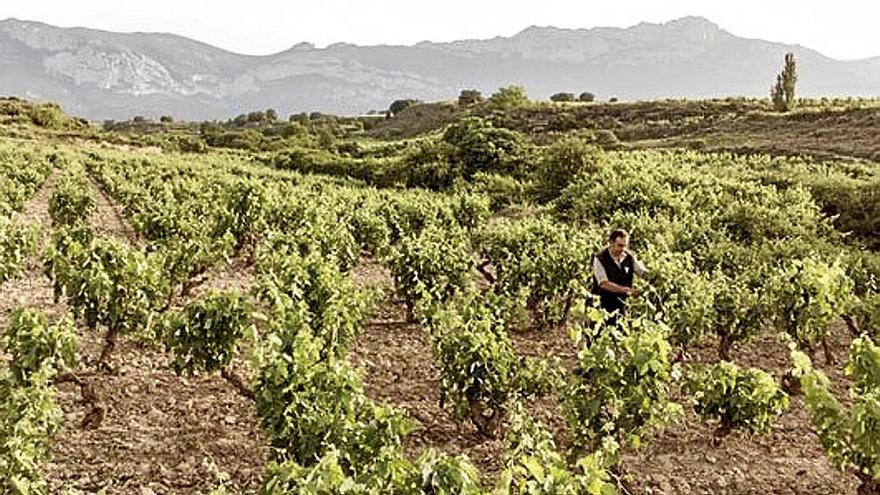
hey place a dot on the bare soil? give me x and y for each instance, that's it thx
(787, 460)
(108, 220)
(679, 459)
(160, 433)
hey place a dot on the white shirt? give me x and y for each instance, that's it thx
(599, 271)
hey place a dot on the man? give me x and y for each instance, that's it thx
(613, 272)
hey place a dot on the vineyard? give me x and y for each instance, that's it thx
(346, 315)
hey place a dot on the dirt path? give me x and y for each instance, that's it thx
(161, 433)
(108, 219)
(399, 370)
(235, 275)
(680, 459)
(33, 288)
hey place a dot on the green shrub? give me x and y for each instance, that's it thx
(48, 115)
(479, 146)
(533, 466)
(850, 436)
(587, 97)
(509, 97)
(400, 105)
(606, 138)
(205, 335)
(811, 295)
(427, 165)
(622, 398)
(310, 405)
(502, 190)
(37, 347)
(431, 266)
(747, 399)
(562, 97)
(563, 162)
(17, 242)
(480, 372)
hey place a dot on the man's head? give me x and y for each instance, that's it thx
(618, 241)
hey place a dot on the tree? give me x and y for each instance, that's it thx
(400, 105)
(271, 115)
(302, 118)
(789, 79)
(478, 146)
(559, 97)
(587, 97)
(782, 94)
(563, 161)
(777, 96)
(469, 97)
(294, 128)
(509, 97)
(166, 119)
(48, 115)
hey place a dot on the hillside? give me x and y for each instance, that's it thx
(371, 305)
(841, 129)
(289, 307)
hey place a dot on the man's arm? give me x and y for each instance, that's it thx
(639, 268)
(604, 283)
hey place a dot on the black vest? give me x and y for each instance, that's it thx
(620, 275)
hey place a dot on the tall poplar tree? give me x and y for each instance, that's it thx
(782, 94)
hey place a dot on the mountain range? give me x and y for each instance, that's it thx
(105, 75)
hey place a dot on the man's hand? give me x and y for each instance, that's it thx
(619, 289)
(633, 292)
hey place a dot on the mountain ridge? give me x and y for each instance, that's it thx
(103, 74)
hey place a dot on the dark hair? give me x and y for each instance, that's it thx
(617, 234)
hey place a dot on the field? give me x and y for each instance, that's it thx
(348, 305)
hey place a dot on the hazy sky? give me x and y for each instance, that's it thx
(844, 29)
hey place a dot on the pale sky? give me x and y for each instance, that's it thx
(843, 29)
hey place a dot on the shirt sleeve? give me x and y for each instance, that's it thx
(639, 268)
(599, 271)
